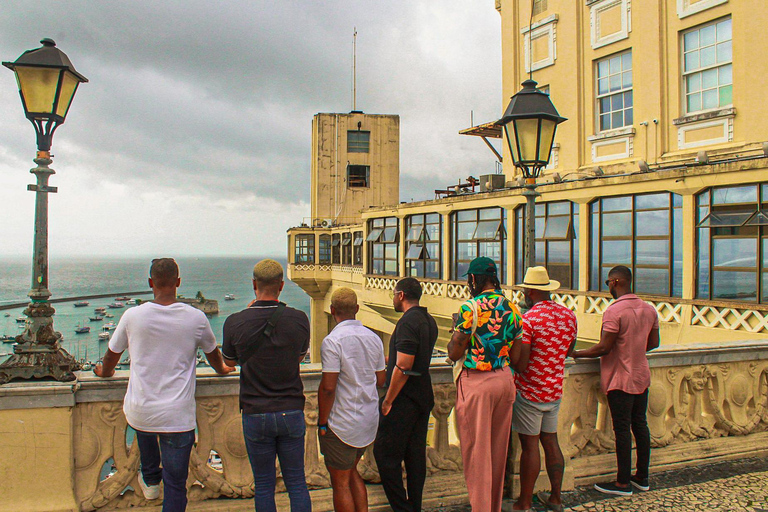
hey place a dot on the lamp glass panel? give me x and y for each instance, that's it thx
(547, 137)
(38, 87)
(69, 85)
(528, 133)
(509, 131)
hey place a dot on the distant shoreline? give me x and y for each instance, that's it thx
(79, 297)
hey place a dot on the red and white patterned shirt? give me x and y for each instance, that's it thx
(550, 329)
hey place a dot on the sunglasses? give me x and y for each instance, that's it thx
(609, 281)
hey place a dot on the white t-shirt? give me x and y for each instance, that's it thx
(162, 342)
(356, 354)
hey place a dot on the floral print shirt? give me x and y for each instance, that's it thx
(499, 324)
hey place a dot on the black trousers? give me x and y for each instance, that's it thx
(402, 437)
(628, 412)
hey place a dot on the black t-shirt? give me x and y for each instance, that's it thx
(270, 380)
(415, 334)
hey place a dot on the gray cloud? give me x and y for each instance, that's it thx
(215, 100)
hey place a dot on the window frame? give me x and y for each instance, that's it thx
(419, 266)
(388, 259)
(304, 249)
(622, 91)
(336, 248)
(324, 249)
(358, 181)
(358, 146)
(357, 248)
(685, 74)
(480, 215)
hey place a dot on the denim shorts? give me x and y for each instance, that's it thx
(532, 418)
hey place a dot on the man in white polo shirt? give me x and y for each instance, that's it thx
(162, 338)
(353, 366)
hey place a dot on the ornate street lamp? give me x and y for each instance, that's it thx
(530, 122)
(47, 83)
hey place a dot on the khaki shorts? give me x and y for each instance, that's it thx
(338, 454)
(532, 418)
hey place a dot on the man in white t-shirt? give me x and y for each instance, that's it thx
(162, 338)
(353, 366)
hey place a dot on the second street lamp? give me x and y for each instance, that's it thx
(47, 83)
(530, 122)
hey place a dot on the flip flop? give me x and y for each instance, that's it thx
(544, 499)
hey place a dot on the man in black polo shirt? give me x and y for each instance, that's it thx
(405, 409)
(271, 391)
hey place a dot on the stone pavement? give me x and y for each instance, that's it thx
(725, 486)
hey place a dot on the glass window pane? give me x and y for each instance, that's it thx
(615, 82)
(378, 267)
(538, 227)
(677, 251)
(602, 68)
(466, 230)
(617, 102)
(461, 270)
(594, 246)
(691, 40)
(726, 219)
(709, 79)
(602, 86)
(432, 251)
(617, 224)
(709, 99)
(378, 250)
(390, 267)
(693, 82)
(415, 233)
(490, 213)
(707, 56)
(377, 223)
(652, 223)
(734, 285)
(615, 64)
(617, 203)
(652, 252)
(617, 119)
(724, 52)
(541, 248)
(648, 201)
(558, 252)
(466, 251)
(729, 195)
(694, 102)
(560, 273)
(652, 281)
(490, 250)
(626, 61)
(691, 61)
(626, 80)
(734, 252)
(390, 251)
(432, 270)
(617, 252)
(559, 208)
(707, 35)
(725, 74)
(466, 215)
(605, 122)
(724, 30)
(414, 252)
(487, 230)
(558, 228)
(726, 95)
(628, 99)
(389, 235)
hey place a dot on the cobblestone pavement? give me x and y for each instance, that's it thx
(726, 486)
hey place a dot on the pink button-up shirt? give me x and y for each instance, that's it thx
(626, 366)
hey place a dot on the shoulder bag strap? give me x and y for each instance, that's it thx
(251, 350)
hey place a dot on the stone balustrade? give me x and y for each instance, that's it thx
(707, 402)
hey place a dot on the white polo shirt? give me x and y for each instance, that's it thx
(162, 342)
(356, 354)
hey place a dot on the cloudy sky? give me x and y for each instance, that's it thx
(193, 135)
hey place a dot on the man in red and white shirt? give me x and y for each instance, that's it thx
(549, 334)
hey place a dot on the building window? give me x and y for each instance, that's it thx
(357, 249)
(556, 241)
(358, 176)
(324, 250)
(707, 68)
(539, 6)
(614, 92)
(644, 233)
(305, 249)
(422, 246)
(732, 242)
(358, 142)
(478, 233)
(382, 246)
(336, 248)
(346, 248)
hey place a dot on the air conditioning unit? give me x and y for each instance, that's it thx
(323, 223)
(490, 182)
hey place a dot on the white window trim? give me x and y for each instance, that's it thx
(684, 74)
(725, 122)
(685, 9)
(544, 28)
(628, 151)
(626, 22)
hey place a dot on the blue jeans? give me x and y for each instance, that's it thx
(174, 450)
(281, 434)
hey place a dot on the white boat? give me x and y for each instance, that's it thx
(131, 302)
(104, 335)
(21, 319)
(110, 326)
(116, 305)
(230, 296)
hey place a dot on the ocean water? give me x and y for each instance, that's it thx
(71, 277)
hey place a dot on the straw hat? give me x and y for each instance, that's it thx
(538, 279)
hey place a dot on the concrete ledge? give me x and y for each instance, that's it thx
(37, 395)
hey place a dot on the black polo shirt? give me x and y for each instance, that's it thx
(270, 380)
(415, 334)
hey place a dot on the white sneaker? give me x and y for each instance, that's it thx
(151, 492)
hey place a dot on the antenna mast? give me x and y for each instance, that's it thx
(354, 69)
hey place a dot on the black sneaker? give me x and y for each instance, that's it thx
(612, 488)
(639, 484)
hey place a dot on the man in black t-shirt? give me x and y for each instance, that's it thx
(409, 400)
(271, 391)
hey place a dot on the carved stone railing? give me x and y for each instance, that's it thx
(707, 402)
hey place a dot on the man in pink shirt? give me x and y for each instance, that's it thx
(630, 329)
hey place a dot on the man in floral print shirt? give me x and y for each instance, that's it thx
(549, 334)
(485, 386)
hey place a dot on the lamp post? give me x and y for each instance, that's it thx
(530, 122)
(47, 83)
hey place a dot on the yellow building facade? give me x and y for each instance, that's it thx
(661, 167)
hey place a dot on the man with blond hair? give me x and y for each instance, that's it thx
(268, 340)
(353, 366)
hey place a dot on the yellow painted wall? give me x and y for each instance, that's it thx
(36, 460)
